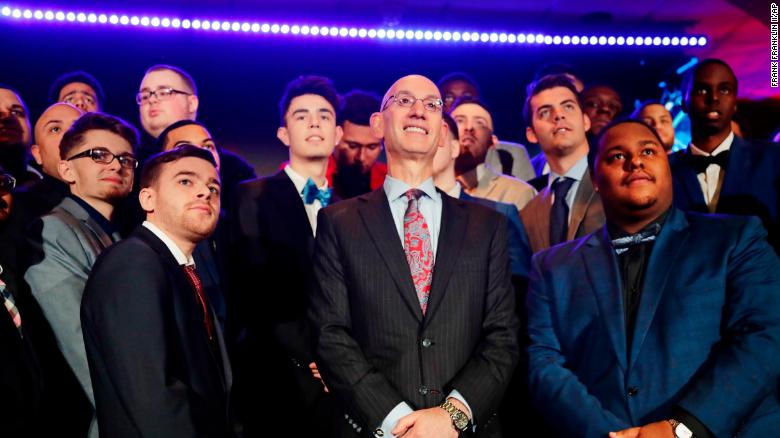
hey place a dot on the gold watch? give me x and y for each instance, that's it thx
(460, 421)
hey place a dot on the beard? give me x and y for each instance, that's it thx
(13, 158)
(350, 180)
(465, 162)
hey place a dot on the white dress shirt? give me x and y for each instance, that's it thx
(712, 178)
(178, 254)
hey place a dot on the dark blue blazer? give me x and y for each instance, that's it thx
(751, 185)
(707, 335)
(518, 246)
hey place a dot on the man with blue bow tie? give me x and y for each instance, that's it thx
(274, 227)
(662, 323)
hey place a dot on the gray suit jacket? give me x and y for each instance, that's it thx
(67, 242)
(586, 215)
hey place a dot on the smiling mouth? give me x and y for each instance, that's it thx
(315, 138)
(416, 130)
(713, 115)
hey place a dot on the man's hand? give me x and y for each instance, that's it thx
(661, 429)
(433, 422)
(316, 373)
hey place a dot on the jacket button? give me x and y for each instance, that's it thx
(427, 342)
(379, 433)
(632, 391)
(423, 390)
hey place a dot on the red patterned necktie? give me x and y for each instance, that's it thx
(418, 249)
(10, 306)
(194, 278)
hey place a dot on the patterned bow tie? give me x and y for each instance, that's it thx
(701, 162)
(311, 192)
(622, 244)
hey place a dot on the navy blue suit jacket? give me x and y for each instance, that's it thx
(519, 249)
(707, 335)
(751, 185)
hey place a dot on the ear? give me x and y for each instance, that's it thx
(531, 135)
(66, 172)
(454, 148)
(494, 141)
(283, 135)
(377, 125)
(192, 105)
(147, 197)
(586, 122)
(35, 150)
(339, 134)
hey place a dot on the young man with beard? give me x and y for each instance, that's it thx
(475, 126)
(720, 172)
(97, 162)
(627, 343)
(157, 357)
(15, 136)
(275, 224)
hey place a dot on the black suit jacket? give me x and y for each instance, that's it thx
(376, 348)
(751, 184)
(272, 270)
(152, 369)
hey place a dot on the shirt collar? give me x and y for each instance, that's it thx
(617, 232)
(724, 146)
(577, 172)
(299, 181)
(395, 188)
(178, 254)
(455, 190)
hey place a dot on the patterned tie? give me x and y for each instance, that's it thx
(8, 300)
(418, 249)
(622, 244)
(194, 278)
(559, 214)
(311, 192)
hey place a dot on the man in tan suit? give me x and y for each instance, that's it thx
(475, 129)
(567, 207)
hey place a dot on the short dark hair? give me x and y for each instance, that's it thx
(452, 125)
(76, 76)
(74, 137)
(643, 105)
(618, 122)
(472, 100)
(458, 76)
(163, 137)
(319, 85)
(188, 81)
(152, 167)
(687, 80)
(357, 107)
(556, 68)
(546, 83)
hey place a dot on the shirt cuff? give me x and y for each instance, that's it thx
(459, 397)
(399, 411)
(691, 422)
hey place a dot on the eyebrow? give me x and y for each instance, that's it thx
(79, 91)
(51, 121)
(158, 88)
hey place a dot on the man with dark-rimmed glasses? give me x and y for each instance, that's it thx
(98, 163)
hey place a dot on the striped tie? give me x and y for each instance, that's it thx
(8, 300)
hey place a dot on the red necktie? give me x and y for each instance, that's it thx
(418, 249)
(194, 278)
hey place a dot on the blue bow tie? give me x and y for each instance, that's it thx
(311, 192)
(622, 244)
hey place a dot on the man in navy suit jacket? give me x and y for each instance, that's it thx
(720, 172)
(660, 324)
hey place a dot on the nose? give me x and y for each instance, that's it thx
(418, 109)
(359, 154)
(636, 162)
(314, 122)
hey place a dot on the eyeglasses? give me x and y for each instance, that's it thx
(162, 94)
(7, 183)
(104, 156)
(406, 100)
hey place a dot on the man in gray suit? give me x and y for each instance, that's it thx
(97, 162)
(567, 207)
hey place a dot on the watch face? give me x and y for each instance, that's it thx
(682, 431)
(460, 420)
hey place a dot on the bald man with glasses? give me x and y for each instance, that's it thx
(98, 164)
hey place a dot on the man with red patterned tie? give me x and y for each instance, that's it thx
(156, 355)
(413, 310)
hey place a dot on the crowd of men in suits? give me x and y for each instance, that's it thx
(154, 286)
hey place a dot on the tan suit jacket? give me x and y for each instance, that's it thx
(587, 215)
(499, 188)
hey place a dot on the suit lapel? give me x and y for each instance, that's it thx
(688, 184)
(454, 221)
(378, 220)
(739, 169)
(601, 265)
(286, 196)
(93, 227)
(542, 219)
(582, 200)
(667, 247)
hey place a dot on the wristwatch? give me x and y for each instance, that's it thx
(680, 430)
(460, 421)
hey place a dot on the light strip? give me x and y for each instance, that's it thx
(343, 32)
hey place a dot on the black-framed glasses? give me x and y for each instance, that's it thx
(162, 94)
(7, 183)
(406, 100)
(104, 156)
